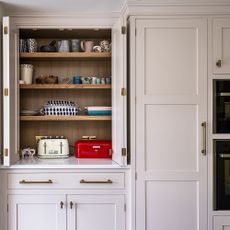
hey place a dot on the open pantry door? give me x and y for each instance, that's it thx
(119, 93)
(10, 92)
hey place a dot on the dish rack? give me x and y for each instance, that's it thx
(60, 108)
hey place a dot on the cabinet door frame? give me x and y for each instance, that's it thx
(139, 211)
(10, 92)
(15, 200)
(117, 200)
(218, 24)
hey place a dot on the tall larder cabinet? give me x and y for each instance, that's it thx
(169, 84)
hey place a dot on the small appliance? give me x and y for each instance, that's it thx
(53, 147)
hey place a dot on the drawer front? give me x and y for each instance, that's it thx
(66, 181)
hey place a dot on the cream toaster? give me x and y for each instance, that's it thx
(53, 147)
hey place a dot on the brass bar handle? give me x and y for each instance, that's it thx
(219, 63)
(204, 150)
(71, 204)
(35, 182)
(96, 181)
(61, 204)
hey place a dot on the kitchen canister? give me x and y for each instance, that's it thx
(26, 71)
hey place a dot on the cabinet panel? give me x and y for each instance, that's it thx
(10, 85)
(99, 212)
(66, 180)
(177, 126)
(177, 196)
(221, 223)
(177, 58)
(36, 212)
(171, 105)
(221, 48)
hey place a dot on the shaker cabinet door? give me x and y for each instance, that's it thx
(171, 105)
(98, 212)
(221, 47)
(36, 212)
(119, 111)
(10, 88)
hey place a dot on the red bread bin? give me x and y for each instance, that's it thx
(93, 149)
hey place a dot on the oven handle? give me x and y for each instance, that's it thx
(224, 155)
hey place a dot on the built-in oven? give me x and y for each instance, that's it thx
(222, 169)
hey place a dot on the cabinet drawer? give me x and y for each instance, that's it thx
(66, 181)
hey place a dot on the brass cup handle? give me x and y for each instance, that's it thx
(71, 204)
(96, 181)
(35, 182)
(204, 150)
(61, 204)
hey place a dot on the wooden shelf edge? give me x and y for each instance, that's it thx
(66, 118)
(65, 86)
(65, 55)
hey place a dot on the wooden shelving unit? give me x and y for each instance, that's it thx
(66, 64)
(66, 55)
(65, 118)
(65, 86)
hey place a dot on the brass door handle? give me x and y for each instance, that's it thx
(71, 204)
(35, 182)
(219, 63)
(96, 181)
(61, 204)
(204, 150)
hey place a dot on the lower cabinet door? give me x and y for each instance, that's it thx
(37, 212)
(97, 212)
(221, 223)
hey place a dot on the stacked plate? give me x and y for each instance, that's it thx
(29, 112)
(99, 110)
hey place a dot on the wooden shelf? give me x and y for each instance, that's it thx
(66, 55)
(65, 86)
(66, 118)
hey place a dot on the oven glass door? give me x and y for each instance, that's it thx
(223, 181)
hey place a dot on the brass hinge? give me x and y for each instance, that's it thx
(124, 207)
(6, 152)
(123, 152)
(123, 30)
(110, 152)
(6, 92)
(7, 208)
(123, 91)
(5, 29)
